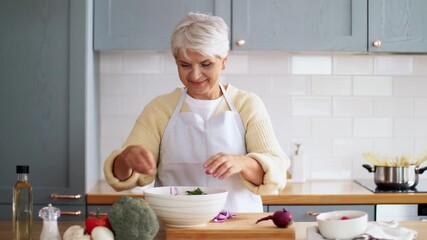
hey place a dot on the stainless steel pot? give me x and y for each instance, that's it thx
(395, 178)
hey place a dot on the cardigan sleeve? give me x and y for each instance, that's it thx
(261, 144)
(147, 131)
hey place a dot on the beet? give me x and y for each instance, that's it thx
(281, 218)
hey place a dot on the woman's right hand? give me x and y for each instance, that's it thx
(133, 158)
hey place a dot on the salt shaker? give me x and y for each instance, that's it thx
(50, 229)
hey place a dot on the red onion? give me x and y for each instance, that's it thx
(281, 218)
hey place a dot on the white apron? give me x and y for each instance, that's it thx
(189, 141)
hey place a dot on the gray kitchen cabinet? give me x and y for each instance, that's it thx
(146, 24)
(299, 211)
(397, 26)
(42, 106)
(270, 25)
(304, 25)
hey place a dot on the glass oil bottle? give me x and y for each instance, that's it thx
(22, 205)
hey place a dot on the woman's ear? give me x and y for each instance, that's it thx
(224, 62)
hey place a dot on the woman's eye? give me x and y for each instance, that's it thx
(184, 65)
(206, 64)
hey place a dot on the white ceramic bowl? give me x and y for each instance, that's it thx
(182, 210)
(331, 225)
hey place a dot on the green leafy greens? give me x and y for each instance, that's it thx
(197, 191)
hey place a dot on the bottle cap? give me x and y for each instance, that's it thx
(23, 169)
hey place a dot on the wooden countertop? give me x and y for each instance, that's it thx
(308, 193)
(299, 228)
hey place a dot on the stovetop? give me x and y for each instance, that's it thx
(371, 186)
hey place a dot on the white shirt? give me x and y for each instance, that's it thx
(203, 108)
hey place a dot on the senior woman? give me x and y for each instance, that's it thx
(204, 134)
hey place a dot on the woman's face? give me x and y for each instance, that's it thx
(200, 74)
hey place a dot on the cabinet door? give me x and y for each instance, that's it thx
(42, 100)
(398, 25)
(146, 24)
(303, 25)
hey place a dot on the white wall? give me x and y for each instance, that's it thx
(338, 106)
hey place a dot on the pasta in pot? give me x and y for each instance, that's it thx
(399, 161)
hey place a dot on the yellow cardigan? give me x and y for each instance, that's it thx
(261, 143)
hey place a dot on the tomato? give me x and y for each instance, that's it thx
(344, 218)
(97, 220)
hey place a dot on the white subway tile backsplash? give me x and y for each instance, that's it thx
(331, 127)
(420, 147)
(311, 106)
(277, 107)
(258, 84)
(110, 62)
(393, 147)
(111, 84)
(351, 147)
(330, 168)
(316, 147)
(289, 85)
(331, 86)
(393, 65)
(410, 127)
(410, 86)
(353, 65)
(420, 107)
(115, 127)
(338, 106)
(132, 84)
(111, 106)
(352, 106)
(132, 106)
(268, 63)
(237, 64)
(393, 106)
(420, 65)
(373, 127)
(137, 62)
(372, 86)
(311, 65)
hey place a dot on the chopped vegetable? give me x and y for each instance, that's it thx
(281, 218)
(222, 216)
(197, 191)
(344, 218)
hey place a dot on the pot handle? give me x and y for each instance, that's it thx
(368, 167)
(420, 170)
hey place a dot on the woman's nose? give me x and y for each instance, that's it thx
(195, 73)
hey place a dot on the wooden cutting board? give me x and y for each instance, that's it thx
(241, 227)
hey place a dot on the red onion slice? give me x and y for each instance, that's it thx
(222, 216)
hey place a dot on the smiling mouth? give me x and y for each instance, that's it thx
(198, 83)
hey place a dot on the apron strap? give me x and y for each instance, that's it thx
(227, 99)
(184, 94)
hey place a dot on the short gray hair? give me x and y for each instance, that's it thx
(202, 33)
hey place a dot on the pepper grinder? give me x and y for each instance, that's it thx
(50, 229)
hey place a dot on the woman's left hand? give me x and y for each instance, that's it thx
(222, 165)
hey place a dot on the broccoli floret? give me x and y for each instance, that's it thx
(133, 219)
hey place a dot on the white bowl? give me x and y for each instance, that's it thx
(332, 226)
(182, 210)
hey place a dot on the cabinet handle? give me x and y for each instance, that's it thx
(78, 213)
(240, 42)
(376, 43)
(57, 196)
